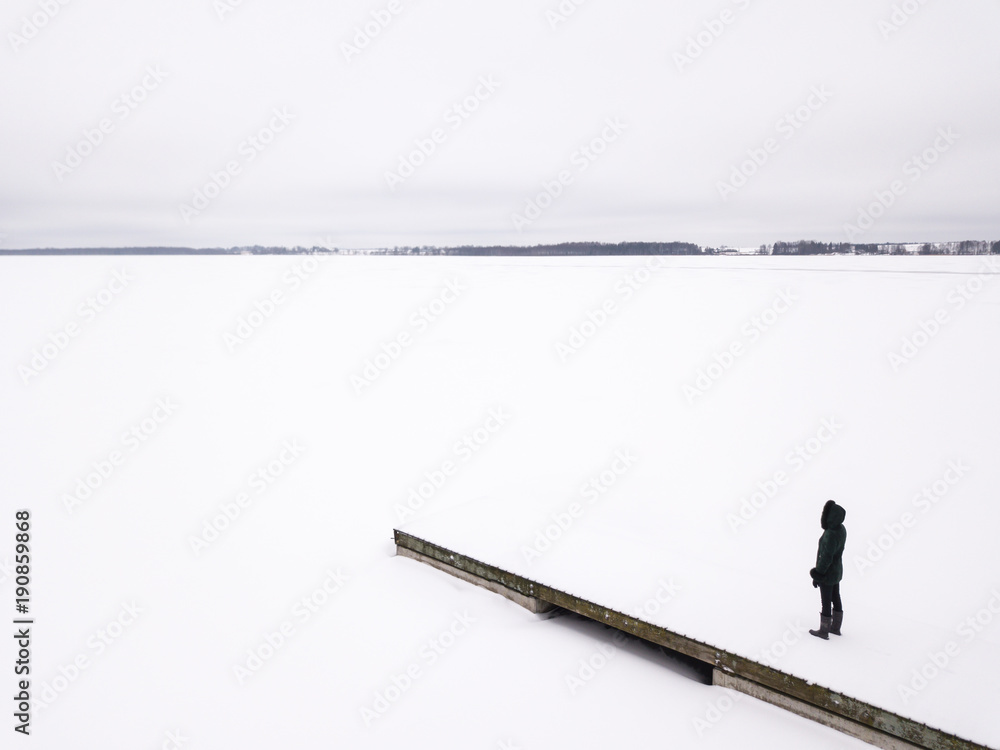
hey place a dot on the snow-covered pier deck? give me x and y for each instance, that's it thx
(858, 718)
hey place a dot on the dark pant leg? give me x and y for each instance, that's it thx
(826, 595)
(837, 606)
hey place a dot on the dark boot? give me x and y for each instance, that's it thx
(838, 619)
(824, 627)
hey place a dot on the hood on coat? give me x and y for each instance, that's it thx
(833, 515)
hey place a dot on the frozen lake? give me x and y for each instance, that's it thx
(215, 452)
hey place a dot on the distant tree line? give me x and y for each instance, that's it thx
(968, 247)
(801, 247)
(809, 247)
(568, 248)
(254, 250)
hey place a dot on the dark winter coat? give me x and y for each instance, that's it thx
(829, 568)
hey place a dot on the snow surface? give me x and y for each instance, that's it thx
(506, 679)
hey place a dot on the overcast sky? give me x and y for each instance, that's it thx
(731, 122)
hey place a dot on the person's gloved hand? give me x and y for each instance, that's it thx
(815, 584)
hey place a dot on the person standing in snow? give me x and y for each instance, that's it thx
(829, 569)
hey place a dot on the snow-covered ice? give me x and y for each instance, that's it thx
(250, 471)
